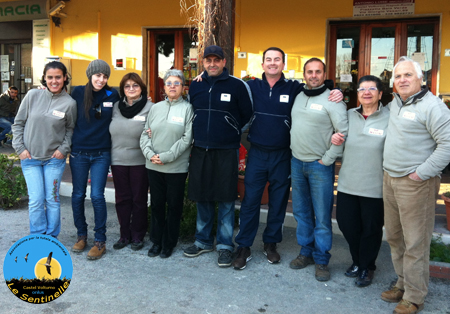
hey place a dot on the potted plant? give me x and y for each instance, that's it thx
(241, 189)
(446, 197)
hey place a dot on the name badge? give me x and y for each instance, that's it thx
(409, 115)
(178, 119)
(59, 114)
(316, 107)
(284, 98)
(376, 131)
(107, 104)
(225, 97)
(139, 118)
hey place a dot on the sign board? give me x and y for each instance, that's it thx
(4, 63)
(23, 10)
(348, 43)
(41, 48)
(193, 55)
(383, 7)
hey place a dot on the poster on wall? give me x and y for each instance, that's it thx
(41, 47)
(383, 7)
(4, 63)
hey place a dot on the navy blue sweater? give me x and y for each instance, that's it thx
(222, 106)
(271, 123)
(93, 135)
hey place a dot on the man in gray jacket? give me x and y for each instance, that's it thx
(416, 150)
(314, 119)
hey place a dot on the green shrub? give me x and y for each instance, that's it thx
(12, 181)
(439, 251)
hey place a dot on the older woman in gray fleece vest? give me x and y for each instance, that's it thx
(167, 153)
(359, 206)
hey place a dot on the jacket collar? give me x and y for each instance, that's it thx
(223, 76)
(413, 98)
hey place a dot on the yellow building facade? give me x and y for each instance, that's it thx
(150, 36)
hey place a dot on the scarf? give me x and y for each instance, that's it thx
(130, 111)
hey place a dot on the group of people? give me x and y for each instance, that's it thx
(392, 158)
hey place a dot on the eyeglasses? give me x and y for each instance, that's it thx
(135, 86)
(371, 89)
(169, 84)
(98, 111)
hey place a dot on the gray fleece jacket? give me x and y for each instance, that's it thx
(171, 125)
(126, 135)
(362, 163)
(44, 124)
(314, 119)
(418, 137)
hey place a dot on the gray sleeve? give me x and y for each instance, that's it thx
(19, 125)
(338, 116)
(180, 146)
(146, 141)
(438, 125)
(71, 117)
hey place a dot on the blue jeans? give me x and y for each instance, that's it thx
(225, 225)
(5, 124)
(81, 163)
(43, 181)
(312, 202)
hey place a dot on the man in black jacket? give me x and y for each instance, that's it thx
(222, 106)
(9, 104)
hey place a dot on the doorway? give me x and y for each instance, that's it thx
(169, 49)
(373, 47)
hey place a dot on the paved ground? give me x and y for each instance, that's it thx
(130, 282)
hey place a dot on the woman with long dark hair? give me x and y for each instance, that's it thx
(42, 137)
(91, 153)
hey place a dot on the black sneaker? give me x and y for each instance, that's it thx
(120, 244)
(138, 245)
(194, 251)
(225, 258)
(243, 256)
(364, 278)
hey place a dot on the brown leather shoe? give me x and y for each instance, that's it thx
(322, 272)
(393, 295)
(80, 245)
(97, 250)
(244, 254)
(270, 250)
(301, 261)
(406, 307)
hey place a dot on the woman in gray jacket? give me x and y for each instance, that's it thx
(359, 205)
(42, 137)
(167, 156)
(128, 162)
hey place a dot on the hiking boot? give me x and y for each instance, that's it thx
(80, 245)
(270, 250)
(301, 261)
(243, 256)
(120, 244)
(225, 258)
(392, 296)
(364, 278)
(194, 251)
(136, 246)
(97, 250)
(352, 271)
(406, 307)
(322, 272)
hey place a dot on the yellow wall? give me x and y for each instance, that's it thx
(299, 28)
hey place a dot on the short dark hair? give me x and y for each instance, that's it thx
(56, 65)
(371, 78)
(315, 60)
(135, 78)
(276, 49)
(12, 87)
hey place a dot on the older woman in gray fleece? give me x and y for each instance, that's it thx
(128, 162)
(167, 153)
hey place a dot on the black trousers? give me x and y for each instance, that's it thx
(166, 188)
(361, 221)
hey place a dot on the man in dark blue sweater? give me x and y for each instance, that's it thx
(222, 106)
